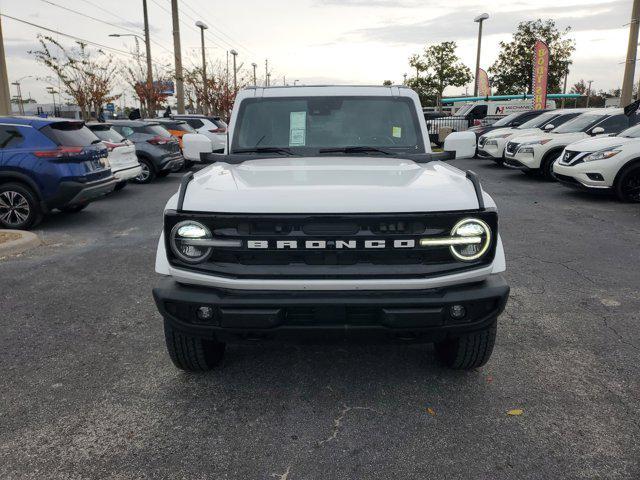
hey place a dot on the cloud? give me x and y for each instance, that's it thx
(454, 26)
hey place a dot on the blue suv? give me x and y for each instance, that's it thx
(46, 164)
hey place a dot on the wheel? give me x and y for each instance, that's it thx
(19, 207)
(192, 354)
(73, 208)
(120, 186)
(546, 166)
(148, 173)
(627, 185)
(469, 351)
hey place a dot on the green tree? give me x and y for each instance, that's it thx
(437, 68)
(513, 70)
(387, 83)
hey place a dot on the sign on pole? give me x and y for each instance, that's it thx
(484, 90)
(540, 75)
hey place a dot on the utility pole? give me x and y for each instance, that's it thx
(255, 79)
(178, 56)
(266, 72)
(20, 104)
(235, 71)
(589, 93)
(404, 76)
(479, 19)
(5, 94)
(564, 89)
(202, 28)
(632, 50)
(269, 79)
(147, 42)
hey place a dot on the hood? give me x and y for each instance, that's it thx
(330, 185)
(556, 138)
(499, 132)
(599, 143)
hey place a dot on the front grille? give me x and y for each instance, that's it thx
(569, 157)
(331, 262)
(512, 148)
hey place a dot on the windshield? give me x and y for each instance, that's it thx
(506, 120)
(538, 121)
(579, 124)
(308, 124)
(464, 110)
(107, 134)
(70, 134)
(179, 126)
(632, 132)
(153, 130)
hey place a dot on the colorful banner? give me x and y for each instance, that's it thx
(540, 75)
(484, 90)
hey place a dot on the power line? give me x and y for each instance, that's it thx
(89, 42)
(101, 21)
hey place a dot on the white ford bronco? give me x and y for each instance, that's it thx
(329, 216)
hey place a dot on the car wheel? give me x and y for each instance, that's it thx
(148, 173)
(73, 208)
(468, 351)
(19, 207)
(192, 354)
(628, 185)
(546, 168)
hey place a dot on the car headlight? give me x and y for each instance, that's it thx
(189, 241)
(469, 240)
(491, 142)
(603, 154)
(536, 142)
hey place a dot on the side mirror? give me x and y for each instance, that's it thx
(549, 126)
(462, 144)
(597, 131)
(193, 144)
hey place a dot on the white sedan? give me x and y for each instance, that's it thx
(606, 164)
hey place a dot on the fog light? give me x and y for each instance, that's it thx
(204, 313)
(457, 312)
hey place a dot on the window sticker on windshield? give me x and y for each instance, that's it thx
(397, 132)
(297, 128)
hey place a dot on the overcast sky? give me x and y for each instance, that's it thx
(324, 41)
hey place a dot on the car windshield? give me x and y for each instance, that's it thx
(506, 120)
(153, 130)
(538, 121)
(579, 124)
(107, 134)
(309, 125)
(179, 126)
(631, 132)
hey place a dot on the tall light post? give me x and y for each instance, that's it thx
(268, 79)
(19, 91)
(479, 19)
(177, 53)
(266, 72)
(150, 106)
(632, 49)
(53, 92)
(202, 26)
(5, 94)
(255, 79)
(589, 93)
(235, 71)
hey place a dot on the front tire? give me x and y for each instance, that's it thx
(627, 185)
(468, 351)
(148, 173)
(192, 354)
(19, 207)
(546, 167)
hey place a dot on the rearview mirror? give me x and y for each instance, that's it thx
(463, 144)
(597, 131)
(549, 126)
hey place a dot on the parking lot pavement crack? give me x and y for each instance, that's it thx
(563, 264)
(337, 422)
(622, 339)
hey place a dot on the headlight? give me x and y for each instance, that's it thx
(536, 142)
(491, 142)
(187, 239)
(603, 154)
(469, 240)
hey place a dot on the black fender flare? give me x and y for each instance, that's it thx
(7, 176)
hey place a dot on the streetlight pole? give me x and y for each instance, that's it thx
(266, 72)
(53, 92)
(632, 50)
(235, 71)
(202, 28)
(5, 94)
(589, 93)
(255, 80)
(177, 52)
(19, 96)
(479, 19)
(268, 79)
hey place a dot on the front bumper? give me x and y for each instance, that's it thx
(77, 193)
(585, 176)
(416, 315)
(174, 160)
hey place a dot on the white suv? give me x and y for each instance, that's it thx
(491, 145)
(330, 217)
(607, 164)
(212, 127)
(536, 153)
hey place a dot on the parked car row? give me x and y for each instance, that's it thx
(590, 149)
(51, 164)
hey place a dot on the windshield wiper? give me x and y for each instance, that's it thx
(354, 149)
(281, 150)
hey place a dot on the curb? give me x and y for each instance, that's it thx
(26, 241)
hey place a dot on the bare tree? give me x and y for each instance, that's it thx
(86, 75)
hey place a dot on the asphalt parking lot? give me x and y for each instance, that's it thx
(87, 390)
